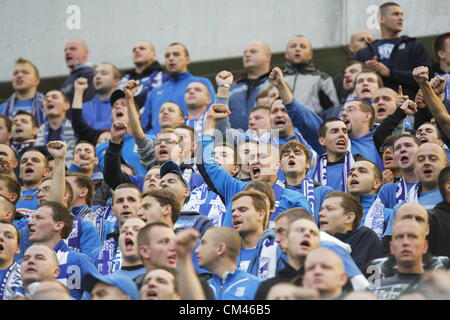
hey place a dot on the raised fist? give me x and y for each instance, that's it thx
(57, 149)
(224, 77)
(130, 88)
(420, 75)
(438, 85)
(276, 77)
(409, 107)
(81, 84)
(185, 242)
(118, 131)
(218, 111)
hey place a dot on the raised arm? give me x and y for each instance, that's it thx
(146, 147)
(81, 128)
(433, 102)
(189, 285)
(58, 150)
(112, 173)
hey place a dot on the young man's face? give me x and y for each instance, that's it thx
(332, 216)
(245, 217)
(293, 161)
(128, 238)
(384, 103)
(176, 59)
(366, 84)
(206, 251)
(150, 210)
(152, 179)
(254, 55)
(24, 77)
(361, 179)
(279, 119)
(430, 160)
(336, 137)
(224, 157)
(126, 203)
(54, 104)
(5, 135)
(349, 76)
(174, 183)
(32, 167)
(161, 248)
(303, 237)
(119, 110)
(259, 120)
(104, 79)
(263, 162)
(84, 156)
(298, 50)
(8, 243)
(170, 115)
(353, 116)
(167, 147)
(427, 133)
(158, 284)
(393, 19)
(142, 53)
(197, 95)
(22, 128)
(405, 150)
(8, 161)
(42, 225)
(388, 158)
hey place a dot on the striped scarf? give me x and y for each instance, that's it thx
(37, 107)
(10, 282)
(110, 257)
(278, 189)
(308, 192)
(320, 173)
(67, 135)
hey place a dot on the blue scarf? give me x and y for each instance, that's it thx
(208, 203)
(10, 282)
(320, 174)
(73, 241)
(308, 192)
(401, 190)
(278, 189)
(37, 107)
(110, 257)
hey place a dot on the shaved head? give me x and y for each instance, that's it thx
(229, 237)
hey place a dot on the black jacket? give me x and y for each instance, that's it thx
(365, 245)
(439, 236)
(406, 55)
(287, 275)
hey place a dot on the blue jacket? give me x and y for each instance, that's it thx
(307, 122)
(28, 202)
(366, 147)
(73, 267)
(243, 98)
(226, 186)
(129, 155)
(172, 90)
(237, 285)
(97, 113)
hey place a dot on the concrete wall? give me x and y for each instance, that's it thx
(211, 29)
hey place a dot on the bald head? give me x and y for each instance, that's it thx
(257, 57)
(324, 271)
(75, 51)
(229, 237)
(299, 50)
(39, 263)
(51, 290)
(413, 211)
(359, 40)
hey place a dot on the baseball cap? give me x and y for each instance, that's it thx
(172, 167)
(116, 95)
(126, 285)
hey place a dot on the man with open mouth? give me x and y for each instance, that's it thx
(26, 97)
(9, 269)
(340, 216)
